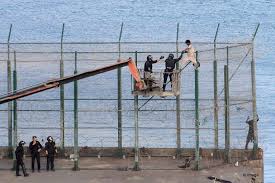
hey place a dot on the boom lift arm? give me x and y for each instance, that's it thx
(57, 82)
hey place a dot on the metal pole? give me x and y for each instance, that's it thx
(197, 122)
(14, 112)
(227, 109)
(76, 153)
(216, 106)
(178, 100)
(119, 96)
(62, 103)
(255, 33)
(227, 57)
(136, 163)
(226, 115)
(254, 102)
(9, 87)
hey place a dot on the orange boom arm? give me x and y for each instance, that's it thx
(134, 71)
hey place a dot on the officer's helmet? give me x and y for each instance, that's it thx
(49, 138)
(21, 143)
(149, 58)
(171, 56)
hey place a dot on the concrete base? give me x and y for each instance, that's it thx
(161, 160)
(121, 170)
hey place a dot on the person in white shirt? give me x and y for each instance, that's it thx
(191, 54)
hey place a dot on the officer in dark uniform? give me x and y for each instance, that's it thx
(148, 70)
(50, 152)
(250, 136)
(19, 153)
(35, 148)
(170, 64)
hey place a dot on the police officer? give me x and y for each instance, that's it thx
(19, 153)
(170, 64)
(50, 152)
(250, 136)
(35, 148)
(148, 70)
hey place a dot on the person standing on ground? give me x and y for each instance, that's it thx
(50, 152)
(35, 148)
(19, 154)
(191, 54)
(170, 64)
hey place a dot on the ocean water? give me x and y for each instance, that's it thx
(147, 20)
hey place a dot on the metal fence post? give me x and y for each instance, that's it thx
(226, 115)
(62, 105)
(136, 160)
(178, 101)
(254, 103)
(119, 96)
(197, 122)
(14, 112)
(76, 153)
(216, 106)
(9, 88)
(227, 57)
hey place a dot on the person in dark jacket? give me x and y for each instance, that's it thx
(250, 136)
(19, 153)
(148, 70)
(35, 148)
(50, 152)
(170, 64)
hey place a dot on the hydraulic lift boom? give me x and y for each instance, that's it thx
(57, 82)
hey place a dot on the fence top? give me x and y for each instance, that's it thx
(125, 42)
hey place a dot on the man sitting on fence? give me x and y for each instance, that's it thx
(250, 136)
(191, 54)
(148, 70)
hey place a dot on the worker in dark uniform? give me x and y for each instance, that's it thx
(35, 147)
(148, 70)
(50, 152)
(170, 64)
(250, 136)
(19, 153)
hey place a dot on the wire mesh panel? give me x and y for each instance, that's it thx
(4, 107)
(98, 105)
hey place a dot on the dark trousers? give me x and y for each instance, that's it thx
(37, 157)
(18, 164)
(249, 138)
(50, 160)
(165, 76)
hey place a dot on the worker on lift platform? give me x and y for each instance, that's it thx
(170, 64)
(148, 70)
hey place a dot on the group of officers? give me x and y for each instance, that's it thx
(170, 64)
(50, 149)
(35, 148)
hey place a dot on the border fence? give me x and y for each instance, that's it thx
(210, 113)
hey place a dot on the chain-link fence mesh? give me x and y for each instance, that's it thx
(39, 114)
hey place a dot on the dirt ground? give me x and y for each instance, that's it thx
(153, 170)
